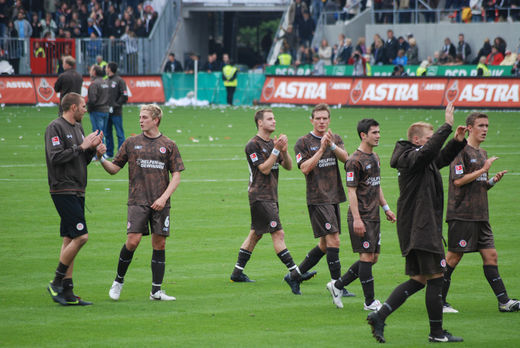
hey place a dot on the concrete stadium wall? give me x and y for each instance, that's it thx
(430, 37)
(193, 36)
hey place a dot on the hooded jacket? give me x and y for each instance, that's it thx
(420, 203)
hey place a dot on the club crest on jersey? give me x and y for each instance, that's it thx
(253, 157)
(298, 157)
(463, 243)
(273, 224)
(366, 245)
(443, 263)
(458, 169)
(80, 226)
(350, 176)
(328, 226)
(162, 149)
(55, 141)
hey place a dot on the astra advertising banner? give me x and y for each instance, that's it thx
(393, 92)
(40, 89)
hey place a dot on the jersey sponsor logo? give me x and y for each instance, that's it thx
(273, 224)
(55, 141)
(253, 157)
(483, 177)
(162, 149)
(443, 263)
(327, 162)
(458, 169)
(298, 157)
(153, 164)
(373, 181)
(328, 226)
(463, 243)
(366, 245)
(80, 226)
(350, 176)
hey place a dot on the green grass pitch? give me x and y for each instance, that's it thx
(210, 215)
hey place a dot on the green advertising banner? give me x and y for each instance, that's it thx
(386, 70)
(211, 88)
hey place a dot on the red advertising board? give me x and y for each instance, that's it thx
(396, 92)
(483, 93)
(40, 89)
(17, 90)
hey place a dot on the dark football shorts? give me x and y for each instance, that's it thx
(371, 240)
(419, 262)
(325, 219)
(469, 236)
(265, 217)
(140, 216)
(71, 209)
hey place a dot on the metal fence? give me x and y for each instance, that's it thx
(133, 55)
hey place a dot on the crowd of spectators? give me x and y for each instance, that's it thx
(75, 18)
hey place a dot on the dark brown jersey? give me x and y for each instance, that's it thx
(324, 184)
(468, 202)
(150, 162)
(261, 187)
(363, 172)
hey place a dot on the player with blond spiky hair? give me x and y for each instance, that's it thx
(151, 157)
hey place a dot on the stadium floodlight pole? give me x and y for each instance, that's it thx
(195, 82)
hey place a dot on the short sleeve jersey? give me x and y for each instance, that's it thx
(324, 184)
(150, 162)
(363, 172)
(468, 202)
(261, 187)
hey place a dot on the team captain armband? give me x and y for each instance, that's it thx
(275, 152)
(491, 182)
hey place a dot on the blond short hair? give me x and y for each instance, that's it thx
(417, 129)
(154, 110)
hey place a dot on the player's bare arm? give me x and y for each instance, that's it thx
(110, 167)
(448, 114)
(286, 158)
(338, 150)
(390, 216)
(359, 226)
(460, 133)
(160, 202)
(466, 179)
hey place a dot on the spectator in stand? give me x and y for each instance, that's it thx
(436, 58)
(476, 10)
(489, 9)
(399, 71)
(190, 63)
(62, 22)
(139, 29)
(448, 52)
(296, 11)
(388, 17)
(284, 58)
(290, 41)
(509, 59)
(351, 9)
(128, 20)
(35, 25)
(317, 7)
(344, 50)
(515, 71)
(209, 66)
(83, 15)
(325, 52)
(463, 49)
(92, 27)
(4, 16)
(376, 36)
(515, 9)
(405, 15)
(413, 52)
(391, 46)
(94, 48)
(361, 46)
(402, 44)
(48, 25)
(306, 29)
(117, 30)
(150, 19)
(318, 66)
(484, 51)
(379, 53)
(401, 59)
(22, 26)
(64, 11)
(359, 64)
(482, 69)
(17, 7)
(110, 19)
(15, 48)
(495, 57)
(500, 44)
(304, 56)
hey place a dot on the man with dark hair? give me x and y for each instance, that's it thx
(172, 65)
(468, 215)
(117, 97)
(391, 46)
(365, 196)
(68, 81)
(264, 156)
(98, 95)
(317, 155)
(151, 157)
(419, 220)
(68, 152)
